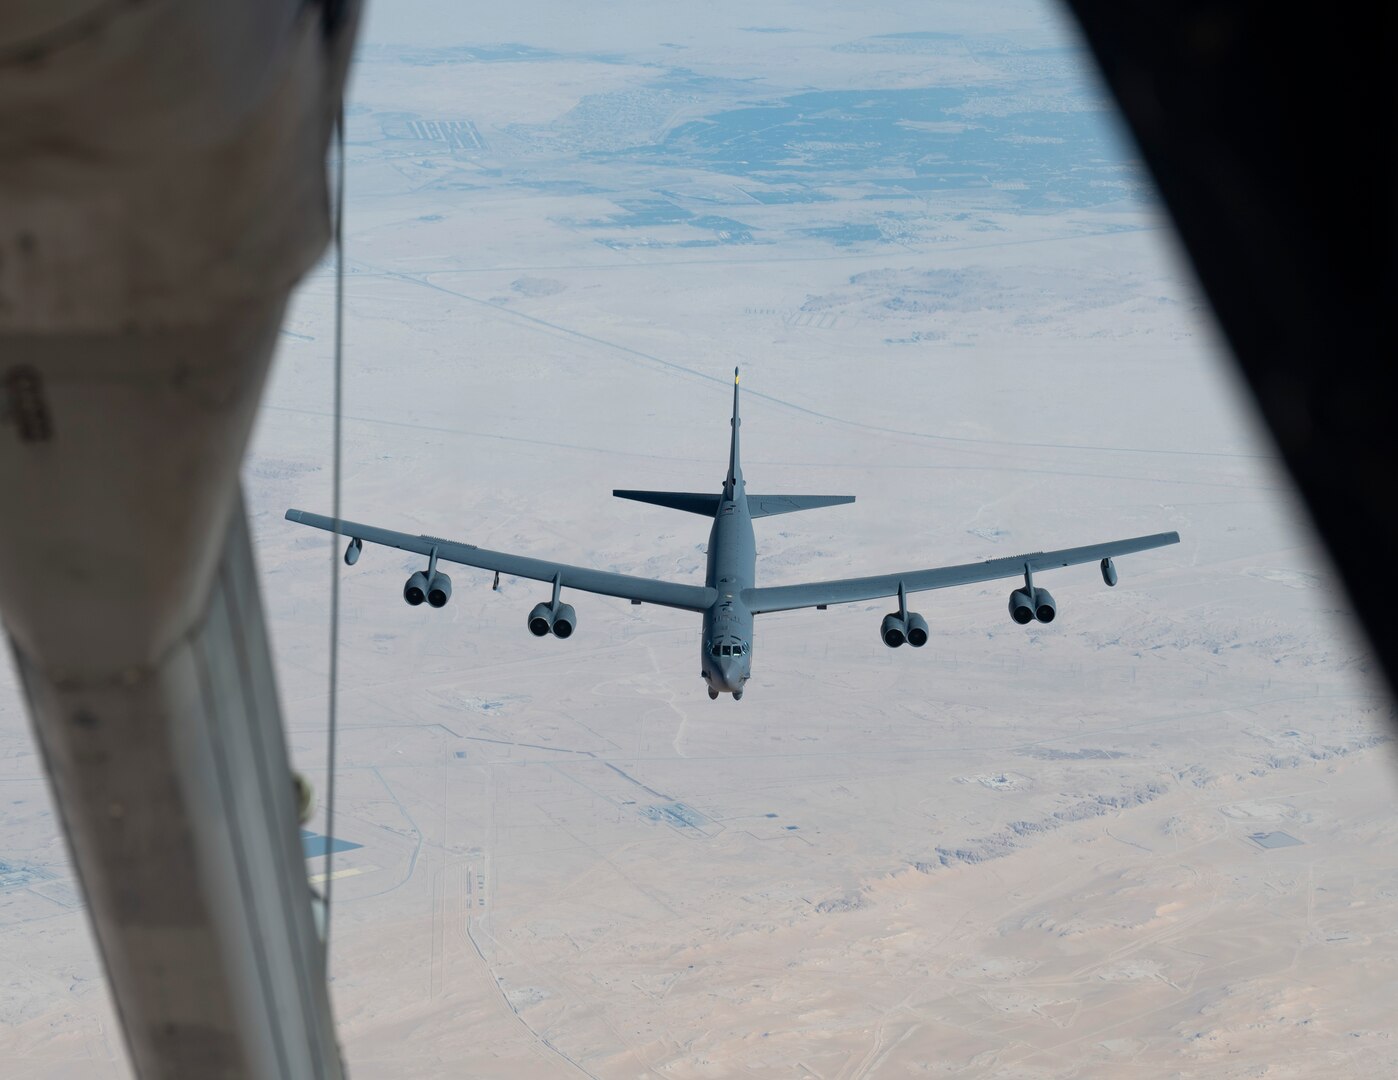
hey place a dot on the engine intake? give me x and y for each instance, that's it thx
(541, 620)
(1044, 607)
(565, 621)
(1021, 607)
(439, 590)
(917, 630)
(894, 630)
(415, 590)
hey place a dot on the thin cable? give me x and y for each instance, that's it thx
(335, 471)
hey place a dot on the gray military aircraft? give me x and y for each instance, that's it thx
(730, 598)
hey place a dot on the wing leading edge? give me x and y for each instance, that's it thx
(852, 590)
(643, 590)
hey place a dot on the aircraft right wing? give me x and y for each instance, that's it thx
(603, 582)
(851, 590)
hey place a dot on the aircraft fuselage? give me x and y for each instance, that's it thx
(726, 646)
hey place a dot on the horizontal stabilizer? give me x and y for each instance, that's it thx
(768, 505)
(690, 501)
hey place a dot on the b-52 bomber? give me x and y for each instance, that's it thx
(730, 597)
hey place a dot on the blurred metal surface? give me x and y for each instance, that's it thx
(1272, 140)
(176, 796)
(162, 188)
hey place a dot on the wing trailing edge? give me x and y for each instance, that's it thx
(768, 505)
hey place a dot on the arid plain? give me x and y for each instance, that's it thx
(1154, 839)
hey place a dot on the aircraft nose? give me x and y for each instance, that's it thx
(731, 672)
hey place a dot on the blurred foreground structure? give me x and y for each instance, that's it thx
(162, 188)
(1274, 142)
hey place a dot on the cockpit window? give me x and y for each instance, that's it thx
(714, 651)
(728, 650)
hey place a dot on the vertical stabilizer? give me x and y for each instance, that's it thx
(734, 480)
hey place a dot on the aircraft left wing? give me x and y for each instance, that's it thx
(641, 590)
(851, 590)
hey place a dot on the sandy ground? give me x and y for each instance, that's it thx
(1014, 853)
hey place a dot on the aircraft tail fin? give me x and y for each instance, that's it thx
(768, 505)
(692, 502)
(735, 469)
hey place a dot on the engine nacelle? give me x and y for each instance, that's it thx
(1021, 607)
(565, 621)
(1109, 572)
(415, 591)
(352, 551)
(1044, 607)
(917, 630)
(541, 620)
(894, 630)
(439, 590)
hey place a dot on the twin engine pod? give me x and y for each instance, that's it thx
(436, 591)
(1025, 608)
(896, 629)
(560, 621)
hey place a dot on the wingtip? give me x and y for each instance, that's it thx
(293, 515)
(735, 376)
